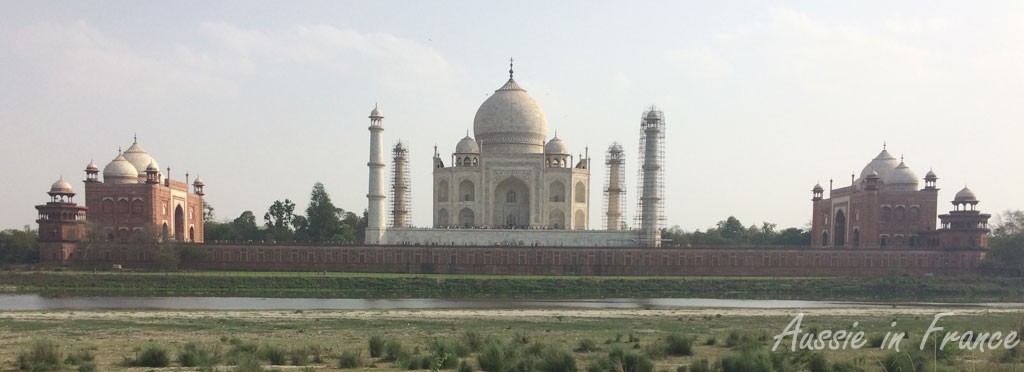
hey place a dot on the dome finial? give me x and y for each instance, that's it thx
(135, 138)
(510, 60)
(119, 150)
(884, 145)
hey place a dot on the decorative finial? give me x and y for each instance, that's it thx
(901, 158)
(135, 138)
(884, 145)
(467, 132)
(510, 60)
(119, 150)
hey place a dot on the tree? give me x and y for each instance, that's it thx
(1006, 242)
(322, 222)
(19, 246)
(279, 218)
(732, 230)
(207, 211)
(244, 227)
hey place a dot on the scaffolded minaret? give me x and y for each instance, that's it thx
(650, 207)
(400, 191)
(375, 221)
(615, 188)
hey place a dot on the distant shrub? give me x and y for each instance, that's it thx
(299, 355)
(452, 348)
(473, 340)
(711, 341)
(496, 357)
(376, 346)
(350, 359)
(748, 359)
(464, 367)
(656, 350)
(678, 345)
(415, 362)
(79, 357)
(152, 355)
(700, 365)
(87, 367)
(195, 355)
(556, 359)
(273, 354)
(42, 355)
(586, 345)
(621, 360)
(394, 351)
(248, 363)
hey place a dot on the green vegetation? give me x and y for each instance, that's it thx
(42, 355)
(244, 341)
(894, 287)
(19, 246)
(731, 231)
(152, 355)
(323, 223)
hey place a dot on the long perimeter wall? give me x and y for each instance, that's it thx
(717, 261)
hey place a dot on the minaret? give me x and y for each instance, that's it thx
(615, 188)
(652, 135)
(400, 195)
(375, 222)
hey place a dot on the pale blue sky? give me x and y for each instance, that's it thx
(762, 100)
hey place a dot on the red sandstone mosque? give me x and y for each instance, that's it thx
(886, 207)
(134, 201)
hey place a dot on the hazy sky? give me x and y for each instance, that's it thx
(262, 99)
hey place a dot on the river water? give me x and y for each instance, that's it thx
(36, 302)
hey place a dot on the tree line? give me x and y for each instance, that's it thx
(731, 231)
(322, 223)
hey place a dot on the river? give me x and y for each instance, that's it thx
(37, 302)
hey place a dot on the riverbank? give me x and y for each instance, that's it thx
(323, 340)
(349, 285)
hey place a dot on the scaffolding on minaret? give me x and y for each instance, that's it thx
(401, 195)
(615, 188)
(650, 211)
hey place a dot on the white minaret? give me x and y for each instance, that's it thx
(652, 135)
(375, 221)
(615, 187)
(400, 195)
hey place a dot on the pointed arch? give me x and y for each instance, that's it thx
(840, 229)
(556, 219)
(580, 220)
(580, 193)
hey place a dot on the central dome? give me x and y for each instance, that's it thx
(510, 122)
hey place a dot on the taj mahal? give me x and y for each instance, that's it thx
(511, 184)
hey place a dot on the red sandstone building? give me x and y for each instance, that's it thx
(133, 202)
(885, 207)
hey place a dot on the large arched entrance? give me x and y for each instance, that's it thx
(467, 218)
(511, 204)
(840, 235)
(179, 224)
(556, 220)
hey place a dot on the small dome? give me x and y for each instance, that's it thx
(198, 182)
(120, 170)
(139, 158)
(556, 146)
(92, 167)
(902, 175)
(467, 145)
(817, 187)
(965, 195)
(152, 167)
(654, 114)
(930, 175)
(376, 113)
(61, 187)
(615, 147)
